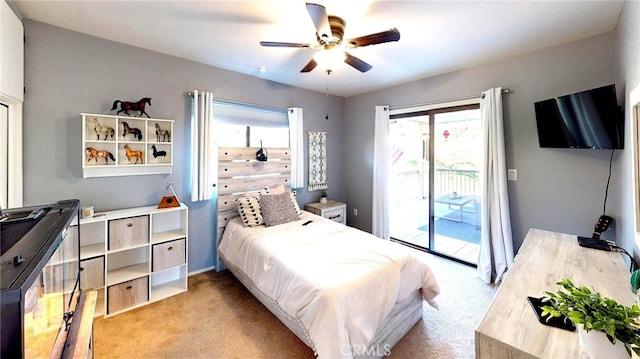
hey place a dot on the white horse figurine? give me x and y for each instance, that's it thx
(108, 131)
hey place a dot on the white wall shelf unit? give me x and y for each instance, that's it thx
(146, 148)
(133, 257)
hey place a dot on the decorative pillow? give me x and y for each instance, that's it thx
(277, 209)
(294, 199)
(279, 189)
(249, 209)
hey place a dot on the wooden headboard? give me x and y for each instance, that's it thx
(239, 172)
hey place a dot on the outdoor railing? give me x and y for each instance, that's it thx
(464, 182)
(413, 184)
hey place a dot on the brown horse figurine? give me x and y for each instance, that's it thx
(132, 130)
(94, 154)
(130, 153)
(126, 106)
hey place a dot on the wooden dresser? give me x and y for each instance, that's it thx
(510, 328)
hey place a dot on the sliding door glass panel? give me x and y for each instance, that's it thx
(434, 183)
(457, 156)
(409, 180)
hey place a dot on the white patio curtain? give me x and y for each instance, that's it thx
(203, 163)
(380, 205)
(496, 244)
(296, 142)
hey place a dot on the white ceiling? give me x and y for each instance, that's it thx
(436, 36)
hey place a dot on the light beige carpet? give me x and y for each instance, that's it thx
(219, 318)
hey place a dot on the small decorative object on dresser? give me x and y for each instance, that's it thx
(170, 199)
(333, 210)
(616, 326)
(323, 197)
(126, 106)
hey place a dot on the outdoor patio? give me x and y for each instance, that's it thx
(457, 229)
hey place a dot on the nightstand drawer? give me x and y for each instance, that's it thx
(128, 232)
(169, 254)
(333, 210)
(336, 215)
(127, 294)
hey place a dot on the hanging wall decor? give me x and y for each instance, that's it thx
(317, 142)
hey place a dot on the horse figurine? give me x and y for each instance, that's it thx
(132, 130)
(130, 153)
(166, 136)
(126, 106)
(94, 154)
(157, 153)
(108, 131)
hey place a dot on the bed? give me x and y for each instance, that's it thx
(342, 291)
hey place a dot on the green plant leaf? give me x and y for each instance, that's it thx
(589, 308)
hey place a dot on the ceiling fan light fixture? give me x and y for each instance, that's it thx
(330, 31)
(329, 59)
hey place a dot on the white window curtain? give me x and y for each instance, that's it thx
(496, 244)
(296, 142)
(203, 157)
(380, 205)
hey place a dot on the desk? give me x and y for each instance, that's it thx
(510, 329)
(459, 202)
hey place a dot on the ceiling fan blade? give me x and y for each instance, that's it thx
(310, 66)
(373, 39)
(320, 20)
(283, 44)
(356, 63)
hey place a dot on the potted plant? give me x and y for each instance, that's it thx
(323, 197)
(589, 310)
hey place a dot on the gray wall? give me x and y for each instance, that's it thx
(557, 189)
(628, 76)
(562, 190)
(67, 73)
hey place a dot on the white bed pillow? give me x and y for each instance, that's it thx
(249, 209)
(277, 209)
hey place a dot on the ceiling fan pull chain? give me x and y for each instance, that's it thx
(326, 91)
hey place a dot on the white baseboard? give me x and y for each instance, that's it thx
(201, 270)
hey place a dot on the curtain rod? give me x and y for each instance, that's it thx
(504, 91)
(245, 104)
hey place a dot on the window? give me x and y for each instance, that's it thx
(238, 125)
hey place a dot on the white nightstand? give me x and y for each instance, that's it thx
(333, 210)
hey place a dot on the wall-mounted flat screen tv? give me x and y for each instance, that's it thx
(587, 119)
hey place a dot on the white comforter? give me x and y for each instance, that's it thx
(339, 282)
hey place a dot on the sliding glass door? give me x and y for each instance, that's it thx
(435, 181)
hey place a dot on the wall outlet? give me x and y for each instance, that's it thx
(355, 212)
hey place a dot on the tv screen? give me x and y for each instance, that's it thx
(587, 119)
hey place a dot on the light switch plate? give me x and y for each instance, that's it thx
(512, 174)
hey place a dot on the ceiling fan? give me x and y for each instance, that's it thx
(329, 35)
